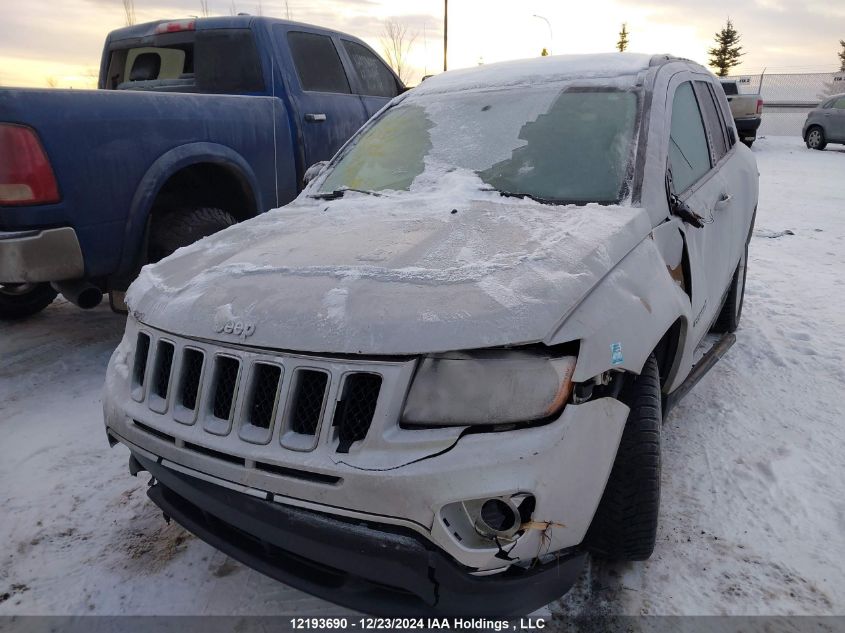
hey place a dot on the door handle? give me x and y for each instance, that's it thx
(316, 118)
(723, 201)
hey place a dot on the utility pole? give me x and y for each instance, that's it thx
(445, 31)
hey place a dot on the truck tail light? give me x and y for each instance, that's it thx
(25, 173)
(759, 106)
(176, 27)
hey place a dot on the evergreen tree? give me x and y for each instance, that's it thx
(544, 52)
(622, 44)
(725, 55)
(842, 57)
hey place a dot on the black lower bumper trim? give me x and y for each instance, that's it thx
(374, 568)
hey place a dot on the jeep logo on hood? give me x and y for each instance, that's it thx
(225, 322)
(236, 327)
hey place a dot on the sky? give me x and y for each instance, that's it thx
(59, 42)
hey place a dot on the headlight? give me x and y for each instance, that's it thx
(492, 387)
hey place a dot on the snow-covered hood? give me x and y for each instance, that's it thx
(402, 274)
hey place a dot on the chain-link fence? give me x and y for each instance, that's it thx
(788, 97)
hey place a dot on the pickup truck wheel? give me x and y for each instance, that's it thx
(625, 524)
(175, 229)
(728, 320)
(815, 138)
(18, 301)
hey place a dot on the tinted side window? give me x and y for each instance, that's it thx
(689, 157)
(226, 60)
(317, 63)
(376, 79)
(839, 103)
(714, 125)
(729, 87)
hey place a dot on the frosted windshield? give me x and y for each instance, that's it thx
(570, 145)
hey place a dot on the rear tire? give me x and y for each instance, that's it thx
(175, 229)
(18, 301)
(625, 524)
(815, 138)
(728, 320)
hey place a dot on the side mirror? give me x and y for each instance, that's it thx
(315, 170)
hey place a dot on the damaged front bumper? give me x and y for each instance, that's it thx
(424, 485)
(375, 568)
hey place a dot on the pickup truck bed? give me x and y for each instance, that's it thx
(746, 110)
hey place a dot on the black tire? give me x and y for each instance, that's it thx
(815, 138)
(18, 301)
(748, 142)
(625, 524)
(728, 319)
(175, 229)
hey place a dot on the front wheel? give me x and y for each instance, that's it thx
(625, 524)
(728, 320)
(815, 138)
(18, 301)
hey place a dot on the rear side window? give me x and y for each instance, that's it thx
(729, 87)
(839, 103)
(715, 128)
(689, 157)
(317, 63)
(226, 60)
(376, 79)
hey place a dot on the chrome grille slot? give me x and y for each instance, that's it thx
(309, 396)
(188, 387)
(189, 384)
(263, 395)
(225, 383)
(164, 363)
(222, 395)
(355, 410)
(139, 367)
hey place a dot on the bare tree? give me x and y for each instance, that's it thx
(396, 43)
(204, 8)
(129, 12)
(259, 8)
(233, 8)
(288, 14)
(51, 82)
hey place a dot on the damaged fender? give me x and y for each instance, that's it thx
(624, 317)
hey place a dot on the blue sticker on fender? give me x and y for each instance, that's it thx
(616, 354)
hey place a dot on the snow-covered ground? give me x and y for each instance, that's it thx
(753, 511)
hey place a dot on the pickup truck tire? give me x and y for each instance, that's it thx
(728, 319)
(625, 524)
(18, 301)
(748, 142)
(815, 138)
(175, 229)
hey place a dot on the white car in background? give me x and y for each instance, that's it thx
(436, 380)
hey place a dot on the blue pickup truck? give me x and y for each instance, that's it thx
(197, 124)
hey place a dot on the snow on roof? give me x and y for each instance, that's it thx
(537, 70)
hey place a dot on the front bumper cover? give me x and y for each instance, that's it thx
(38, 256)
(369, 567)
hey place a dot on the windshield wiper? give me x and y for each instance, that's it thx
(522, 194)
(338, 193)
